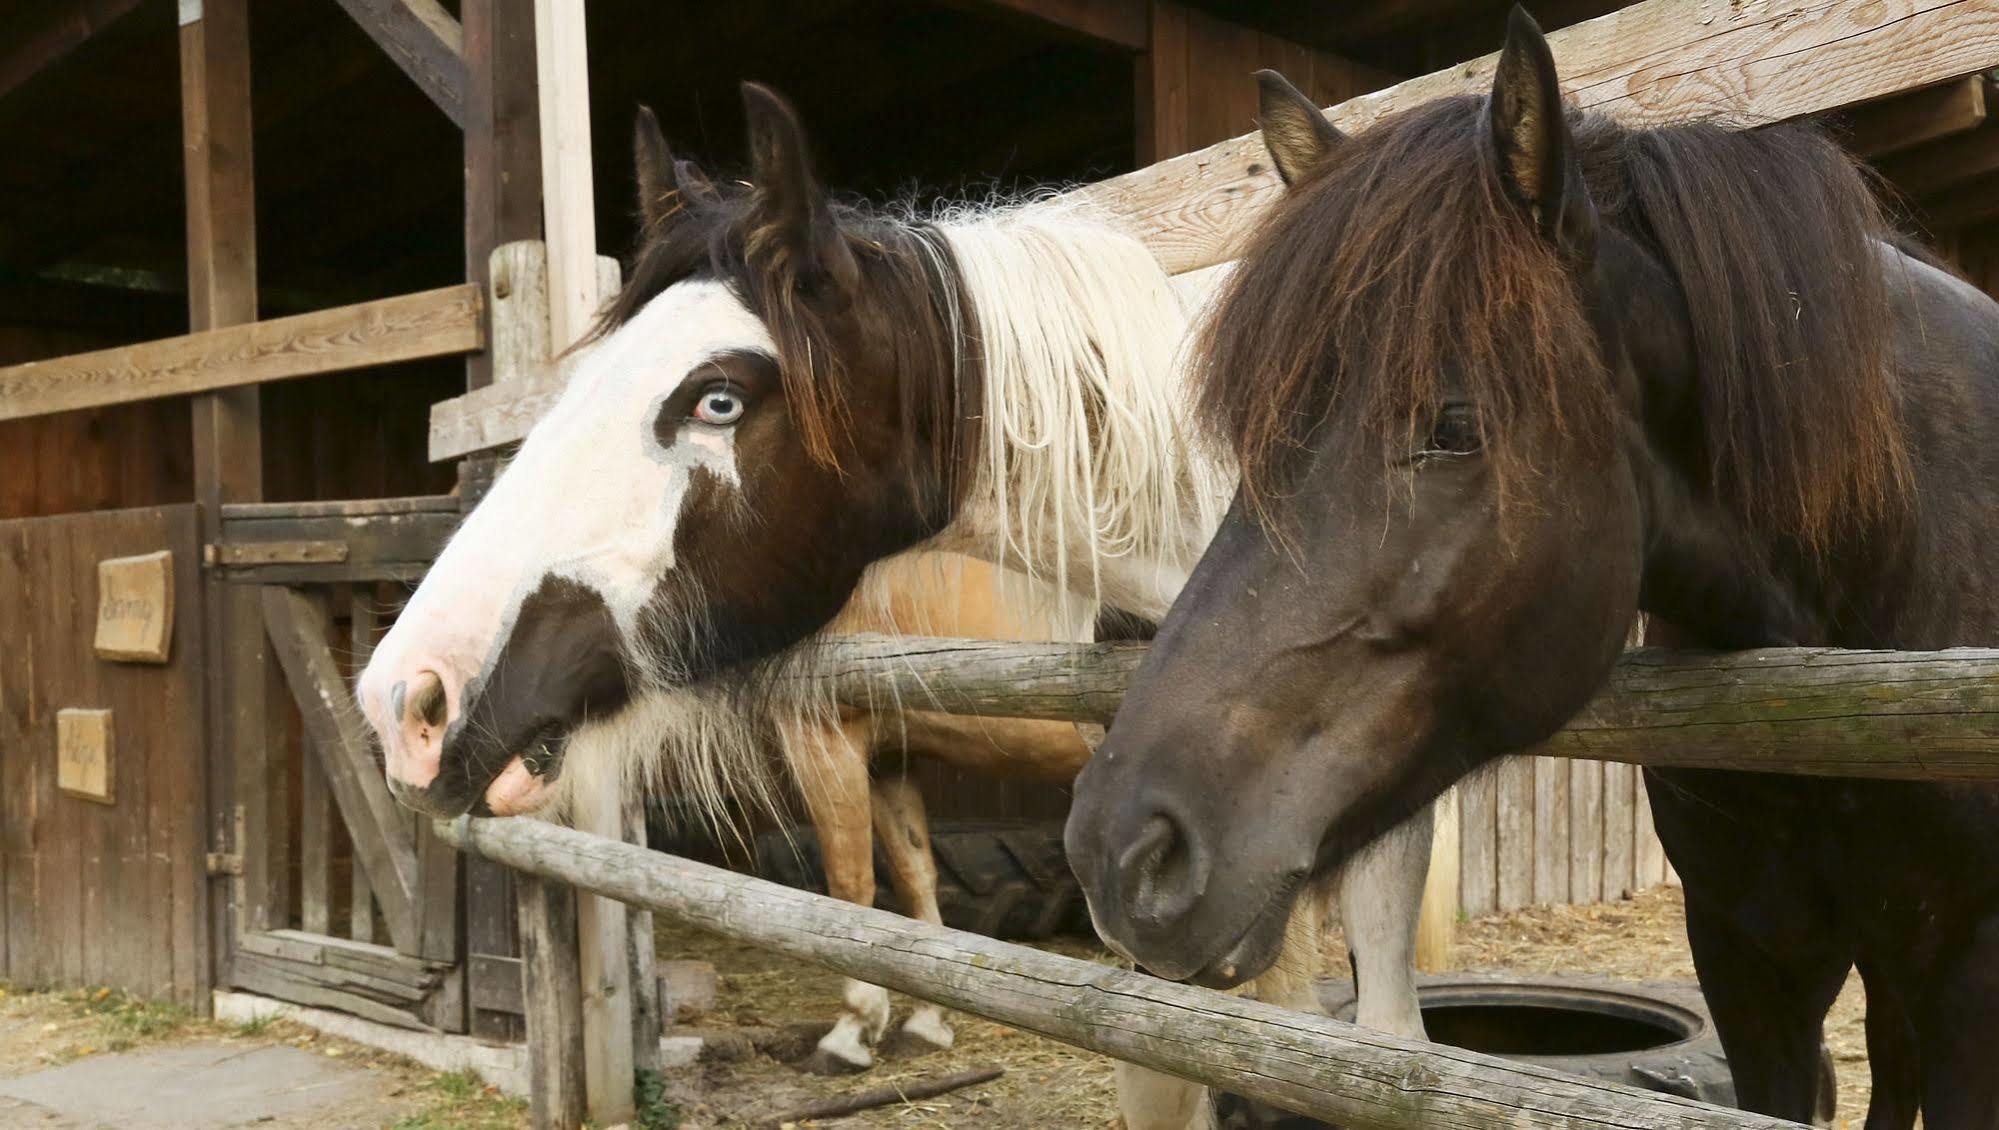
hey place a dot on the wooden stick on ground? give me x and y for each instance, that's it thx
(930, 1088)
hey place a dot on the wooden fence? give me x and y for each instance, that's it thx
(1310, 1064)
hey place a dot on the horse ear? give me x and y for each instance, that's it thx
(1296, 133)
(666, 185)
(789, 209)
(1530, 133)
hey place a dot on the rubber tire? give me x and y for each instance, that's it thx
(1692, 1068)
(1001, 878)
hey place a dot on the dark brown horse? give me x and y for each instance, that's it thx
(1500, 377)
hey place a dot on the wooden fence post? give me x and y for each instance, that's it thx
(549, 976)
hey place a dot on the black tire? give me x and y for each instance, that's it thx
(1000, 878)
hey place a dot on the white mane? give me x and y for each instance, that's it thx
(1078, 333)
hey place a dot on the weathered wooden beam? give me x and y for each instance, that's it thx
(1118, 23)
(430, 323)
(1908, 120)
(1905, 715)
(1350, 1076)
(425, 41)
(549, 975)
(1656, 61)
(1924, 172)
(370, 981)
(69, 29)
(379, 829)
(393, 539)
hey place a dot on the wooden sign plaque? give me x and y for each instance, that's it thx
(135, 607)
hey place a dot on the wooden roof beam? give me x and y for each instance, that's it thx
(424, 41)
(69, 30)
(1118, 23)
(1940, 165)
(1908, 120)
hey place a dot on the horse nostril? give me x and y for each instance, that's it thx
(1164, 872)
(426, 699)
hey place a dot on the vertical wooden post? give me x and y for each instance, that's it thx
(570, 219)
(640, 957)
(502, 204)
(548, 980)
(246, 802)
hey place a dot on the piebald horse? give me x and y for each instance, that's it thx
(1501, 375)
(786, 391)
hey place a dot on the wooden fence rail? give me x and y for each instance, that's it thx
(1908, 715)
(1310, 1064)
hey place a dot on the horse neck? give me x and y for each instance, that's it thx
(1084, 473)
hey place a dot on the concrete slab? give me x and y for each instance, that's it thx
(190, 1087)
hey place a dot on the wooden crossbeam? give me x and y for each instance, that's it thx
(1923, 172)
(1118, 23)
(1909, 120)
(1898, 715)
(1339, 1072)
(379, 829)
(430, 323)
(425, 41)
(1760, 61)
(70, 29)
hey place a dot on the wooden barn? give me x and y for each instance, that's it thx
(248, 381)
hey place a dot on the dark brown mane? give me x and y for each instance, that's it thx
(905, 300)
(1400, 274)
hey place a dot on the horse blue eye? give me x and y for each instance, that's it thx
(719, 405)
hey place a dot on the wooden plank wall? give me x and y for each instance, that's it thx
(93, 893)
(1542, 830)
(1194, 87)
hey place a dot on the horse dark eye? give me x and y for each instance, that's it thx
(720, 405)
(1454, 433)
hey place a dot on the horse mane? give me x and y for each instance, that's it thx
(1400, 274)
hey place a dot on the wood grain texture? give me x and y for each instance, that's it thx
(430, 323)
(425, 41)
(1619, 836)
(1585, 832)
(1310, 1064)
(1551, 830)
(372, 982)
(554, 1014)
(1908, 715)
(1744, 61)
(1118, 23)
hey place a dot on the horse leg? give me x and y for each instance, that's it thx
(1381, 896)
(903, 831)
(1892, 1056)
(1769, 1010)
(830, 766)
(1958, 1032)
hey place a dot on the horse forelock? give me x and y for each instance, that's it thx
(1400, 275)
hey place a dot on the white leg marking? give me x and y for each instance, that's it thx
(928, 1027)
(1381, 894)
(1150, 1100)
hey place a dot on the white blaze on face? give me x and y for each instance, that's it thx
(593, 497)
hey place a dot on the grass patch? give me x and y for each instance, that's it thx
(655, 1110)
(124, 1020)
(460, 1100)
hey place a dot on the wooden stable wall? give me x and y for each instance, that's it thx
(100, 893)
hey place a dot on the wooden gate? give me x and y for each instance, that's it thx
(102, 857)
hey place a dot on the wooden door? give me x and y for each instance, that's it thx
(101, 890)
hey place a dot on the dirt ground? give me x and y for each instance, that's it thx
(1047, 1084)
